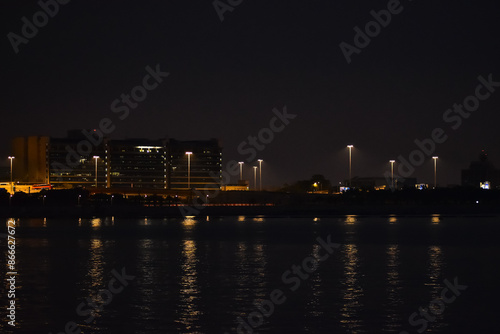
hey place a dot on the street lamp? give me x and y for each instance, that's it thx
(189, 168)
(435, 171)
(241, 169)
(392, 172)
(254, 177)
(96, 157)
(260, 173)
(350, 163)
(11, 183)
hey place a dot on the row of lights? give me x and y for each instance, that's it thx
(241, 163)
(392, 168)
(96, 157)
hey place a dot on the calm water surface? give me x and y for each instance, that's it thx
(202, 275)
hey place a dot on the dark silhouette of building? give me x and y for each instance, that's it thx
(481, 174)
(380, 183)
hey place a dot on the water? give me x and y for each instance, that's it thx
(201, 275)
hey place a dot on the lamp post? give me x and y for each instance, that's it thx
(11, 183)
(435, 171)
(241, 169)
(260, 173)
(96, 157)
(392, 172)
(254, 177)
(189, 168)
(350, 163)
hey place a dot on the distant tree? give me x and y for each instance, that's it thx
(315, 183)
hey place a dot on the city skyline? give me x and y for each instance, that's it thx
(224, 78)
(71, 147)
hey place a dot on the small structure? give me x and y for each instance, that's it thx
(481, 174)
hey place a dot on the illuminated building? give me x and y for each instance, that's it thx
(138, 163)
(74, 161)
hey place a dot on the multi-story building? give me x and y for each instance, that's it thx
(137, 163)
(195, 164)
(77, 161)
(73, 161)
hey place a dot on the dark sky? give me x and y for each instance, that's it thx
(226, 77)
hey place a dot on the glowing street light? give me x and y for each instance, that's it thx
(350, 163)
(96, 157)
(11, 183)
(189, 168)
(241, 169)
(435, 171)
(254, 177)
(392, 172)
(260, 173)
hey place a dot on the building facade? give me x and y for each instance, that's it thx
(79, 160)
(195, 164)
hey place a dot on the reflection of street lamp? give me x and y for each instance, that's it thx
(350, 156)
(260, 173)
(254, 177)
(392, 172)
(11, 183)
(435, 171)
(96, 157)
(241, 169)
(189, 168)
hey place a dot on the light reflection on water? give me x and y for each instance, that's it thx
(313, 308)
(394, 298)
(189, 223)
(351, 219)
(95, 268)
(352, 291)
(435, 277)
(187, 279)
(189, 313)
(96, 223)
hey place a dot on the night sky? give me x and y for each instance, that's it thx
(226, 78)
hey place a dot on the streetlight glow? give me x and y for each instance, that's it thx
(260, 174)
(241, 169)
(392, 172)
(254, 177)
(189, 168)
(96, 157)
(350, 163)
(435, 170)
(11, 183)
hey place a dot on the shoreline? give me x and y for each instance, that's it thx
(268, 211)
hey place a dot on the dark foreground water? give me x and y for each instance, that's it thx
(205, 275)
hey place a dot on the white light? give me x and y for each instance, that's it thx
(148, 147)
